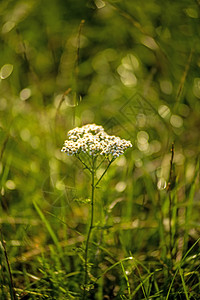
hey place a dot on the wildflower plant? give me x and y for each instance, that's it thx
(92, 146)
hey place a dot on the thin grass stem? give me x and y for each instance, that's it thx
(12, 289)
(170, 225)
(127, 281)
(169, 188)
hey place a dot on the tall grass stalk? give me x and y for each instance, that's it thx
(11, 284)
(169, 188)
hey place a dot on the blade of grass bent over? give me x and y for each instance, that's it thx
(127, 281)
(48, 226)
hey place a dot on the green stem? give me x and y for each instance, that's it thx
(170, 225)
(77, 156)
(93, 185)
(101, 162)
(89, 231)
(110, 162)
(12, 289)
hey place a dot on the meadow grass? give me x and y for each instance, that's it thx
(142, 255)
(132, 68)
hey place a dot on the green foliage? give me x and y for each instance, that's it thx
(133, 67)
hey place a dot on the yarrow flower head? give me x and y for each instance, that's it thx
(93, 140)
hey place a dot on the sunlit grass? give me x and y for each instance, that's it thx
(133, 68)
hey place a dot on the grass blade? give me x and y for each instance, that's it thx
(183, 282)
(48, 226)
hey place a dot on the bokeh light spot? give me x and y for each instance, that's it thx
(10, 185)
(120, 186)
(163, 111)
(8, 26)
(176, 121)
(166, 87)
(99, 3)
(6, 71)
(161, 184)
(25, 94)
(25, 134)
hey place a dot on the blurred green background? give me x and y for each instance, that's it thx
(131, 66)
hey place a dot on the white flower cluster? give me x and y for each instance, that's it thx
(92, 139)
